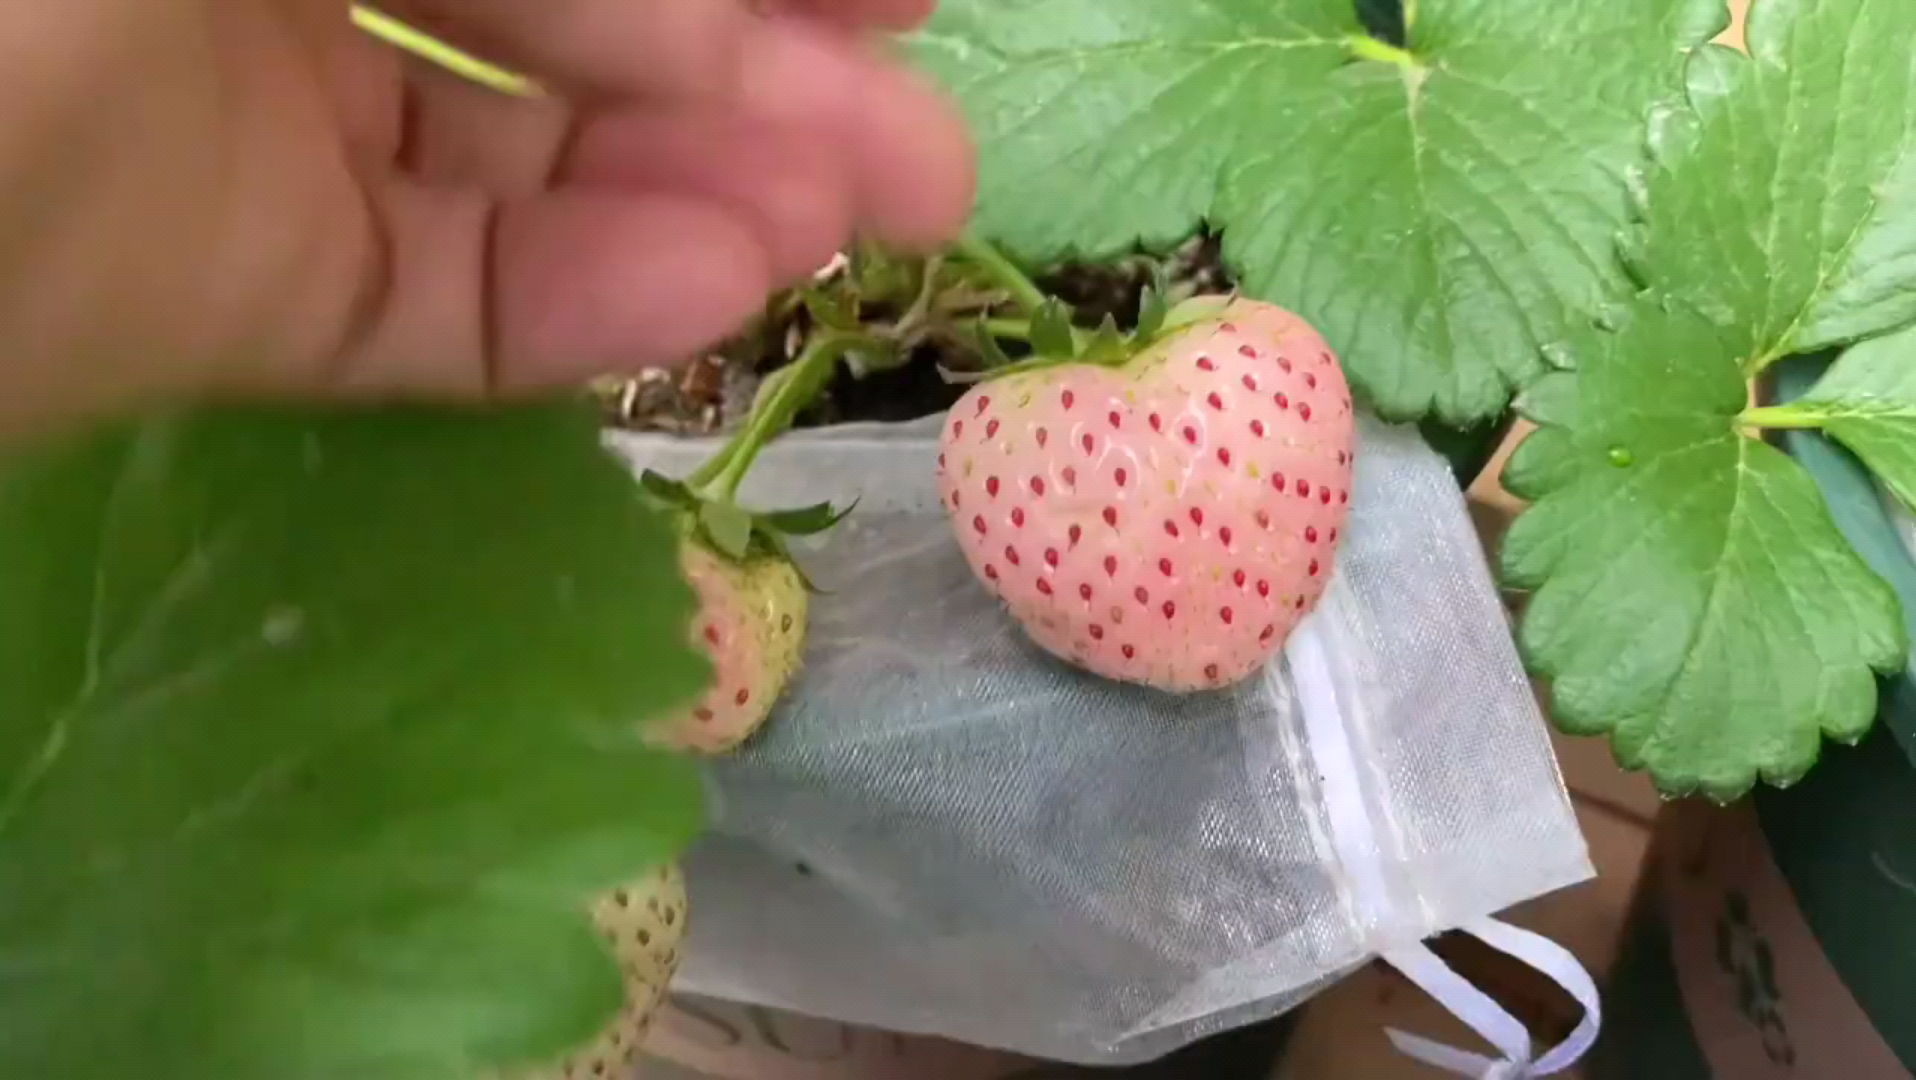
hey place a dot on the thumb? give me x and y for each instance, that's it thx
(468, 295)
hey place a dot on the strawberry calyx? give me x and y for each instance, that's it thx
(707, 500)
(738, 533)
(1051, 332)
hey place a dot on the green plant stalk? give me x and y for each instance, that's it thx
(1001, 270)
(1009, 329)
(797, 384)
(1780, 417)
(1365, 47)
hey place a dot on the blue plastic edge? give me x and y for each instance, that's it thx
(1857, 505)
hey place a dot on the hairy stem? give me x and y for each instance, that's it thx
(1781, 416)
(787, 391)
(1001, 270)
(1009, 329)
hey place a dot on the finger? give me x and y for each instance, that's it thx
(904, 143)
(360, 77)
(659, 48)
(795, 191)
(477, 298)
(886, 14)
(459, 133)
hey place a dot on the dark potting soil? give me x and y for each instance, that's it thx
(714, 393)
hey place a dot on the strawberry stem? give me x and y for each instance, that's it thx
(785, 392)
(1009, 329)
(1778, 417)
(1001, 271)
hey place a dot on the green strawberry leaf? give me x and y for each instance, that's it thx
(317, 738)
(1442, 214)
(1867, 402)
(1693, 598)
(1783, 201)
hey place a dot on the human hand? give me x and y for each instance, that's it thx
(249, 197)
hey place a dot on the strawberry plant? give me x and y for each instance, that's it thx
(321, 731)
(1583, 206)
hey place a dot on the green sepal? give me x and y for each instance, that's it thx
(726, 527)
(805, 521)
(1051, 329)
(665, 493)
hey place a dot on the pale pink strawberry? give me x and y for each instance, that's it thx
(1167, 521)
(751, 626)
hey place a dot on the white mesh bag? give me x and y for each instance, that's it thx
(945, 831)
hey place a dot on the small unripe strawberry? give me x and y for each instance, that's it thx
(751, 625)
(644, 925)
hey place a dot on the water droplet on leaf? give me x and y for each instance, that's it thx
(1621, 457)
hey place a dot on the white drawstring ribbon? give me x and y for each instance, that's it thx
(1354, 839)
